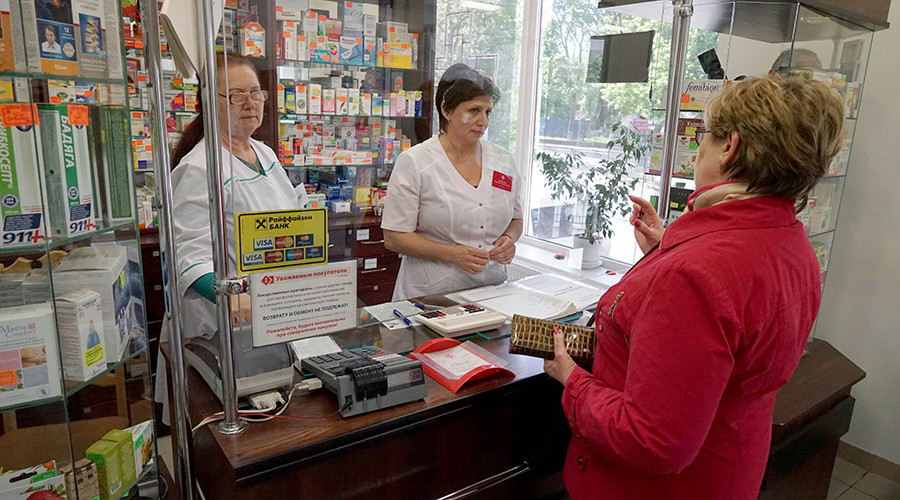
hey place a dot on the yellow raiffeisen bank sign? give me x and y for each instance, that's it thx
(283, 238)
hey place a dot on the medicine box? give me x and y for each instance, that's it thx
(80, 320)
(82, 478)
(90, 37)
(101, 268)
(21, 207)
(328, 101)
(67, 168)
(114, 456)
(28, 483)
(29, 359)
(340, 96)
(352, 50)
(114, 183)
(253, 40)
(352, 15)
(143, 442)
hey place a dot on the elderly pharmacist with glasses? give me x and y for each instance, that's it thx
(696, 339)
(254, 181)
(453, 202)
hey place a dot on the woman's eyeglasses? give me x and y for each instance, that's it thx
(238, 98)
(700, 135)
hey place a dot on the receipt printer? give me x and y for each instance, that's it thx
(368, 378)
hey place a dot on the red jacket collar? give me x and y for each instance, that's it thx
(752, 213)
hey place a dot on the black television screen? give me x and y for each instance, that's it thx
(622, 58)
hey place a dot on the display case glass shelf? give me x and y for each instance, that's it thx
(74, 377)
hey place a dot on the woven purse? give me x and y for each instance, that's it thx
(534, 337)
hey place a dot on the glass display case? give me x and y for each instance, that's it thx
(733, 40)
(75, 388)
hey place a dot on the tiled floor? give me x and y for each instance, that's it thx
(848, 481)
(852, 482)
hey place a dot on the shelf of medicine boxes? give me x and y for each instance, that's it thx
(287, 62)
(136, 348)
(56, 241)
(66, 78)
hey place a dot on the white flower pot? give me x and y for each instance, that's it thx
(590, 258)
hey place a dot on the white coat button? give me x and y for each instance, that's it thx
(481, 204)
(482, 227)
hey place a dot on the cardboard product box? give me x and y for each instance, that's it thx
(414, 45)
(291, 9)
(328, 101)
(365, 104)
(340, 96)
(418, 102)
(143, 442)
(319, 50)
(289, 40)
(114, 179)
(377, 104)
(696, 93)
(25, 483)
(302, 99)
(9, 40)
(253, 39)
(49, 43)
(353, 102)
(11, 294)
(331, 28)
(35, 287)
(22, 220)
(290, 99)
(29, 359)
(90, 37)
(68, 168)
(80, 320)
(279, 98)
(315, 99)
(309, 24)
(351, 13)
(114, 457)
(401, 55)
(7, 91)
(302, 48)
(393, 31)
(101, 268)
(369, 53)
(82, 478)
(352, 50)
(370, 24)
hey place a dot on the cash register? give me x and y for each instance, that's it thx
(368, 378)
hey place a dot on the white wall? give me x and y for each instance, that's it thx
(860, 312)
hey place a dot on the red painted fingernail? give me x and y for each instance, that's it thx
(556, 330)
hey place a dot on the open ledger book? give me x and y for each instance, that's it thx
(544, 296)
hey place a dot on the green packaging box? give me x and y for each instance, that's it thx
(67, 168)
(114, 456)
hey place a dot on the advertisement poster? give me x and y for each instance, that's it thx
(279, 239)
(301, 302)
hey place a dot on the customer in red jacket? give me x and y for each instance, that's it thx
(696, 339)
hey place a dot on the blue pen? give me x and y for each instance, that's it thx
(404, 318)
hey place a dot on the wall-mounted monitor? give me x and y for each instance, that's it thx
(621, 58)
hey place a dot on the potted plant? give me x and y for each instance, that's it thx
(601, 186)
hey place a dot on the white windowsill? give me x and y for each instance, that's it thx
(538, 256)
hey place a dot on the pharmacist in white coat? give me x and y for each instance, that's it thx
(453, 207)
(254, 181)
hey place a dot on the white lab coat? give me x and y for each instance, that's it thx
(245, 191)
(426, 195)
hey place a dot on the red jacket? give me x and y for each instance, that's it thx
(692, 346)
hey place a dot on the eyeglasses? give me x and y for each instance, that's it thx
(701, 135)
(238, 98)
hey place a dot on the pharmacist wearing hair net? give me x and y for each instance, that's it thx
(254, 181)
(453, 204)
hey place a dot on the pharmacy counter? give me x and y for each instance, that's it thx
(506, 426)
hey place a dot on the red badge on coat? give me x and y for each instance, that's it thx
(502, 181)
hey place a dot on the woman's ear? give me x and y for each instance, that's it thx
(444, 111)
(732, 142)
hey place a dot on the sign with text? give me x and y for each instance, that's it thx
(291, 304)
(282, 238)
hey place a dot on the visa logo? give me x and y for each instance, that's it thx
(263, 244)
(253, 259)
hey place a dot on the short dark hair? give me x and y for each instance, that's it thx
(461, 83)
